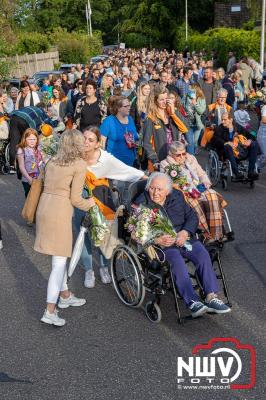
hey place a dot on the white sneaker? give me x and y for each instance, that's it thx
(1, 245)
(52, 319)
(89, 281)
(70, 301)
(105, 276)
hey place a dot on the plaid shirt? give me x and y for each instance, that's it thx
(182, 87)
(34, 116)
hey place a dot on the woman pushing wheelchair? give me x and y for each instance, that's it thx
(159, 194)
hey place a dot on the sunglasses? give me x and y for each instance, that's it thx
(180, 154)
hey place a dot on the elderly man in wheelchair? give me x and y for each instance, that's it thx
(234, 147)
(160, 193)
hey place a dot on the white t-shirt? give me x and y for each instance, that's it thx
(110, 167)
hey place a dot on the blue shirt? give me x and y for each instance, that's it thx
(114, 132)
(182, 87)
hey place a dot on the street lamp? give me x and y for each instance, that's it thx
(186, 19)
(262, 37)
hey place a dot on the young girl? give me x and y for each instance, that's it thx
(29, 158)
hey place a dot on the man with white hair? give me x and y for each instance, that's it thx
(159, 193)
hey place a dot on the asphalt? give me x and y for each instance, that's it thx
(107, 350)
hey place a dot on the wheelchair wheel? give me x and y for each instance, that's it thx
(7, 153)
(126, 272)
(213, 168)
(153, 312)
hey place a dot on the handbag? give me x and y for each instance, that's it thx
(32, 200)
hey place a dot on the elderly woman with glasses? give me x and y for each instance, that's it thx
(191, 179)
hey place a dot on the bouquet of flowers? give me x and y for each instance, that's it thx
(49, 146)
(45, 98)
(95, 222)
(146, 224)
(256, 97)
(175, 173)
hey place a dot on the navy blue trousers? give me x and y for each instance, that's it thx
(201, 259)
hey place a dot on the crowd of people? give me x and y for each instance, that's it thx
(136, 114)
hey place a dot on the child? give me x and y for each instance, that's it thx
(29, 158)
(242, 117)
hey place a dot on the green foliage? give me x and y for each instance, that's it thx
(5, 68)
(179, 40)
(240, 41)
(32, 42)
(76, 47)
(135, 40)
(249, 26)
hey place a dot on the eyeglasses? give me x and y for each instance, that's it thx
(180, 154)
(126, 105)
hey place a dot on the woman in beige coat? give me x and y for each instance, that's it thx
(63, 184)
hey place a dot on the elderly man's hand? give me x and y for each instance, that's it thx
(181, 237)
(165, 241)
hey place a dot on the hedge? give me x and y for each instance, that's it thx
(76, 47)
(32, 42)
(242, 42)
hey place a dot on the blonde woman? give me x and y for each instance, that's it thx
(139, 104)
(195, 106)
(107, 87)
(163, 125)
(63, 184)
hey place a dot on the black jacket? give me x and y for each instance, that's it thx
(155, 137)
(176, 209)
(220, 137)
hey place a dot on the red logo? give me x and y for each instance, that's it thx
(220, 362)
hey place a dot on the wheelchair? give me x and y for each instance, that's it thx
(221, 170)
(139, 270)
(4, 156)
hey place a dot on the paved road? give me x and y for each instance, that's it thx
(108, 351)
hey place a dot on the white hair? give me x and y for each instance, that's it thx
(221, 92)
(155, 175)
(176, 146)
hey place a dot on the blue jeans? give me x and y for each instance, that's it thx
(201, 259)
(192, 137)
(86, 254)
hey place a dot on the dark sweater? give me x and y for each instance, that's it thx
(176, 209)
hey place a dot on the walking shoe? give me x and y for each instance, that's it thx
(217, 306)
(52, 319)
(89, 281)
(198, 308)
(253, 175)
(70, 301)
(105, 276)
(12, 170)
